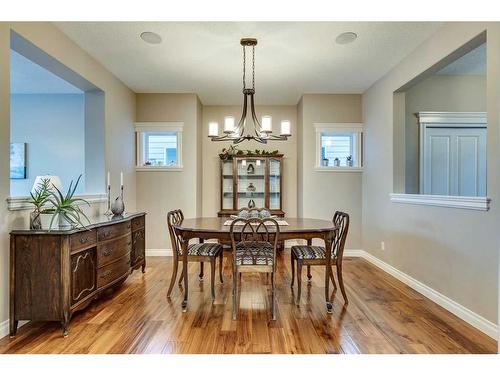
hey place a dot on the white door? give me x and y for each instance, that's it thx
(454, 160)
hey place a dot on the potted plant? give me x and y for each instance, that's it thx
(336, 162)
(69, 214)
(325, 162)
(349, 161)
(39, 197)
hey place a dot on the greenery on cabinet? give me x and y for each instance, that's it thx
(229, 153)
(39, 197)
(66, 207)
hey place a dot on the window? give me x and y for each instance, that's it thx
(338, 146)
(159, 146)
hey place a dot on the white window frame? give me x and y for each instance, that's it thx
(157, 127)
(339, 128)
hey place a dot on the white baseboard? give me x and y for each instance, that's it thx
(159, 252)
(5, 329)
(475, 320)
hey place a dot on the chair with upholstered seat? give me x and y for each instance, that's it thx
(316, 255)
(254, 242)
(198, 252)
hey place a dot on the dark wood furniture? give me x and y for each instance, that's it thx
(322, 256)
(213, 227)
(200, 252)
(254, 246)
(55, 273)
(256, 178)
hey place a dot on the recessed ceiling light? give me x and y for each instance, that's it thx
(346, 38)
(150, 37)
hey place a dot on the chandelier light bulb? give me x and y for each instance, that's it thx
(228, 124)
(285, 128)
(267, 124)
(213, 129)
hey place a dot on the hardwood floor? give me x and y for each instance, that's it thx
(383, 316)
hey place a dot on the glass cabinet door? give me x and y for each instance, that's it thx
(227, 185)
(251, 174)
(274, 184)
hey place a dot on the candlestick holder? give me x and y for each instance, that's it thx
(108, 211)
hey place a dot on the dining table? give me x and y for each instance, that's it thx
(208, 228)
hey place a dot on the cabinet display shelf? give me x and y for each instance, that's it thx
(235, 179)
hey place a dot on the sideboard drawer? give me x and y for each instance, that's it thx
(109, 251)
(138, 223)
(112, 231)
(82, 239)
(113, 271)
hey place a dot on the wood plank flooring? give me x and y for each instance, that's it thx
(383, 316)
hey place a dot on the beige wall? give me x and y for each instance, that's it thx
(325, 192)
(119, 133)
(211, 166)
(446, 93)
(453, 251)
(161, 191)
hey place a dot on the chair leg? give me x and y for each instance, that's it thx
(221, 267)
(235, 291)
(212, 277)
(273, 302)
(174, 276)
(293, 268)
(333, 280)
(309, 276)
(341, 282)
(200, 276)
(299, 280)
(181, 277)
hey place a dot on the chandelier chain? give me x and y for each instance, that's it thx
(244, 68)
(253, 68)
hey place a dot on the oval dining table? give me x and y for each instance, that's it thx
(205, 228)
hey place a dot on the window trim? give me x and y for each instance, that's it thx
(337, 127)
(158, 127)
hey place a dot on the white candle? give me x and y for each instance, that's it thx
(228, 124)
(285, 127)
(213, 129)
(267, 124)
(109, 180)
(121, 178)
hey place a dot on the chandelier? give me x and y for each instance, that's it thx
(241, 132)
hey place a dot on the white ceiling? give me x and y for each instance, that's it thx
(292, 58)
(27, 77)
(472, 63)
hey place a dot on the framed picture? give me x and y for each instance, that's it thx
(17, 161)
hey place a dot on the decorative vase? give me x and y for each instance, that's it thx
(45, 221)
(349, 162)
(251, 203)
(63, 222)
(118, 207)
(336, 162)
(35, 220)
(325, 162)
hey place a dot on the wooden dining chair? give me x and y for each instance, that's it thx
(199, 252)
(316, 255)
(254, 242)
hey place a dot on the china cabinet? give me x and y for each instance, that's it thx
(251, 181)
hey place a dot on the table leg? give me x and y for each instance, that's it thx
(328, 247)
(185, 272)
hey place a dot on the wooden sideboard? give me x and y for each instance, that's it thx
(55, 273)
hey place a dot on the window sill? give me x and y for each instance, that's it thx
(468, 203)
(338, 169)
(158, 169)
(23, 203)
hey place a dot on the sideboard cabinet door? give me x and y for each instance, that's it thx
(138, 247)
(83, 274)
